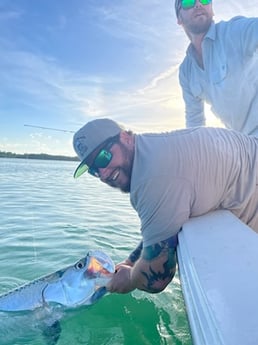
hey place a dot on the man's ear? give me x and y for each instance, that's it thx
(126, 138)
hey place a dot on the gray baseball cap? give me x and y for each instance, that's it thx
(89, 137)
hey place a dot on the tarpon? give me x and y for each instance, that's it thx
(80, 284)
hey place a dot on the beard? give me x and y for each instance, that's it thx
(198, 27)
(125, 170)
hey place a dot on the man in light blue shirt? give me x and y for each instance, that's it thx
(220, 67)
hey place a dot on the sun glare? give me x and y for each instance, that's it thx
(211, 119)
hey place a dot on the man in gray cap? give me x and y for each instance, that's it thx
(220, 67)
(89, 138)
(170, 177)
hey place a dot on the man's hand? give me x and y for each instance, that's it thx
(126, 262)
(152, 272)
(121, 281)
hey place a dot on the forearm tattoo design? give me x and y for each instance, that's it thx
(157, 281)
(134, 256)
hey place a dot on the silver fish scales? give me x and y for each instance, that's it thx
(80, 284)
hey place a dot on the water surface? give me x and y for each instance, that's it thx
(49, 220)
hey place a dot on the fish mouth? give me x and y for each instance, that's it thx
(99, 266)
(94, 268)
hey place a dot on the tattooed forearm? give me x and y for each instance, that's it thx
(154, 251)
(160, 265)
(134, 256)
(156, 281)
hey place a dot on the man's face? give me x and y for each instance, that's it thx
(197, 19)
(118, 172)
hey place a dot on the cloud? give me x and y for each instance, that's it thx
(41, 82)
(100, 58)
(9, 14)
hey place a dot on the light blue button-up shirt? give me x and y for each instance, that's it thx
(229, 80)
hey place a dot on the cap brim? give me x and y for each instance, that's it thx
(81, 169)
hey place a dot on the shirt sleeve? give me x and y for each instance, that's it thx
(246, 30)
(162, 207)
(194, 106)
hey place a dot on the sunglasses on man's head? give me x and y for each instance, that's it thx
(102, 159)
(187, 4)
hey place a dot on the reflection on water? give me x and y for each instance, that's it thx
(48, 220)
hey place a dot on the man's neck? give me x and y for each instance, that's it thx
(196, 41)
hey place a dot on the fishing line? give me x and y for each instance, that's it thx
(50, 128)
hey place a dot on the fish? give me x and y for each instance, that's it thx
(80, 284)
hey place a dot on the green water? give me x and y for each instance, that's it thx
(125, 320)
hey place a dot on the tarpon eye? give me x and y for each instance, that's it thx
(79, 265)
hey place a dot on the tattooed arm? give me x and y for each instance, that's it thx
(157, 267)
(132, 258)
(152, 272)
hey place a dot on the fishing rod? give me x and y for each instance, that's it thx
(50, 128)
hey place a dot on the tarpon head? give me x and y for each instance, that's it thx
(83, 283)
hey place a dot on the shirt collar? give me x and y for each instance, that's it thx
(211, 34)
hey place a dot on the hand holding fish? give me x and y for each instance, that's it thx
(126, 262)
(121, 281)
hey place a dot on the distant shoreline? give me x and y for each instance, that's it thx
(42, 156)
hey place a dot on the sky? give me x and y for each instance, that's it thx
(64, 63)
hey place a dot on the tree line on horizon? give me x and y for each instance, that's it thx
(4, 154)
